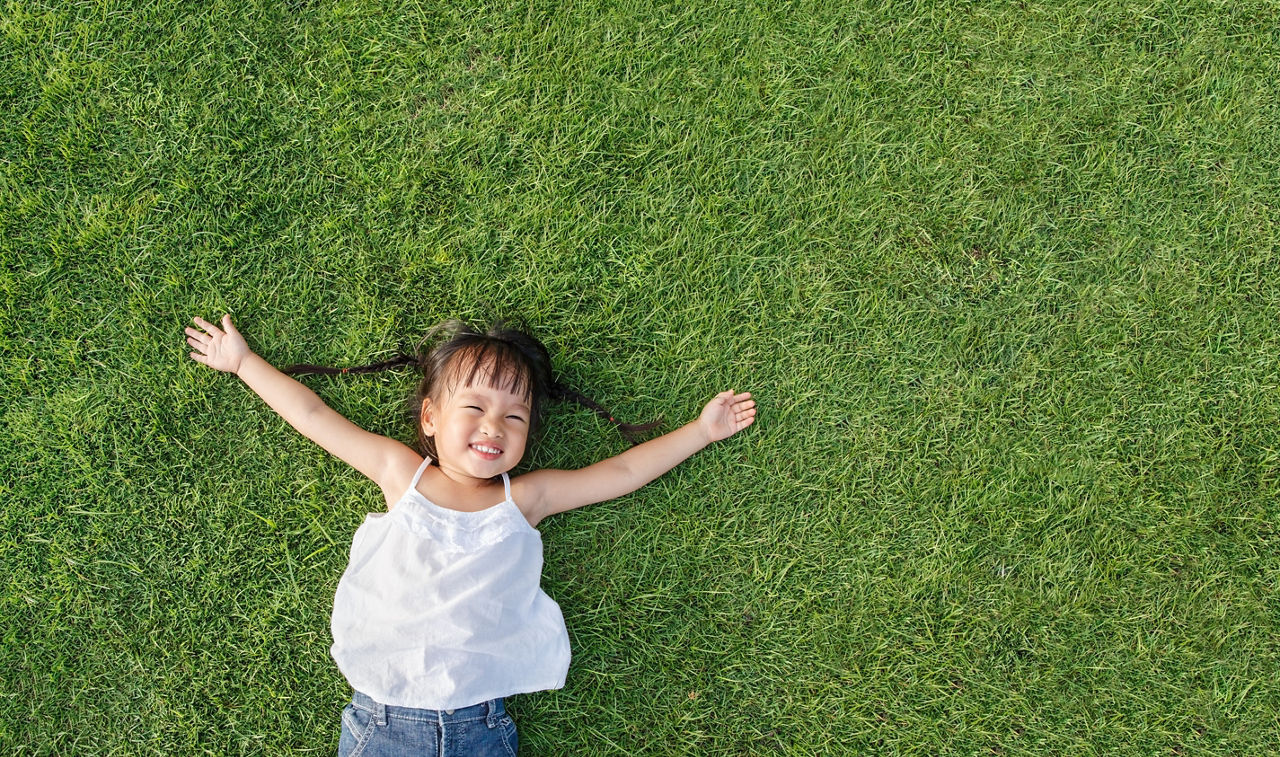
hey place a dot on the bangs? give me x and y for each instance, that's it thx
(504, 366)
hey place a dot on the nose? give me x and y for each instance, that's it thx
(491, 427)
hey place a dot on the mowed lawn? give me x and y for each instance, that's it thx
(1002, 277)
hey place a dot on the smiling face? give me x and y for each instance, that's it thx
(480, 428)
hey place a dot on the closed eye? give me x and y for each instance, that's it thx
(516, 418)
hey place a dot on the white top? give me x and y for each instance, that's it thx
(441, 609)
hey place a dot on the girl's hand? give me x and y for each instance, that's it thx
(726, 415)
(220, 350)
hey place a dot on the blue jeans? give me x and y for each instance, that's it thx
(371, 729)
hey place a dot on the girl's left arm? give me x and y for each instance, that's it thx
(547, 492)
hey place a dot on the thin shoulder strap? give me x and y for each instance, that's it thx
(506, 484)
(414, 483)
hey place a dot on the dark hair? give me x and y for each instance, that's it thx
(513, 359)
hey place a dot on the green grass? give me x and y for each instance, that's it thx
(1002, 276)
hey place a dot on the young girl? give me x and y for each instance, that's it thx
(440, 614)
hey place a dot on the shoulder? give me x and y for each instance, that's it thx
(399, 472)
(527, 492)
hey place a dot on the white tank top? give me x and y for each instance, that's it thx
(441, 609)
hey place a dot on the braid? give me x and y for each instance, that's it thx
(630, 431)
(303, 369)
(510, 348)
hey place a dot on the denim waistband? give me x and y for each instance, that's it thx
(490, 712)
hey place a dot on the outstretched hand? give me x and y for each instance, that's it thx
(222, 349)
(727, 414)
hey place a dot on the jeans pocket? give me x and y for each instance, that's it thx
(510, 739)
(357, 727)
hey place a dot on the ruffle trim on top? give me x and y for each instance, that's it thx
(458, 531)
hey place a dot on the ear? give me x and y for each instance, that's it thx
(427, 417)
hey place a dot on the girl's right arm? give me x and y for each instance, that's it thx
(379, 458)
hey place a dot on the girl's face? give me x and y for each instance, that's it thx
(480, 431)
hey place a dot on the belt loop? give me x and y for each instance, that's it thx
(379, 713)
(491, 715)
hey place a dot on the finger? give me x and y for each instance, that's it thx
(743, 396)
(196, 334)
(199, 358)
(202, 323)
(228, 325)
(202, 346)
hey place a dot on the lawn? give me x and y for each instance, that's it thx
(1002, 277)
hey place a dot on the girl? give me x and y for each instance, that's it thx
(440, 615)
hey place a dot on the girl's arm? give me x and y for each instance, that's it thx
(547, 492)
(377, 457)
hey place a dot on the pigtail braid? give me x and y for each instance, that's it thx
(630, 431)
(303, 369)
(512, 350)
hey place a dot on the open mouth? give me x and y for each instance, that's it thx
(486, 451)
